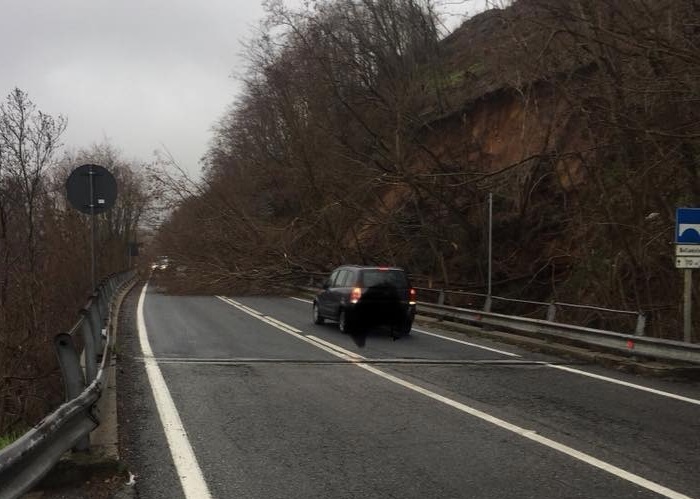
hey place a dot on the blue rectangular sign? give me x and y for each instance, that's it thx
(688, 225)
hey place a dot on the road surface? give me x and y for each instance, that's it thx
(232, 397)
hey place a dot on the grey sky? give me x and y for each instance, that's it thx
(143, 74)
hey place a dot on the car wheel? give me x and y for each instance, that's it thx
(317, 317)
(343, 322)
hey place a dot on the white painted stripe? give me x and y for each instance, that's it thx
(462, 342)
(284, 329)
(240, 305)
(625, 383)
(247, 309)
(532, 435)
(336, 347)
(574, 371)
(529, 434)
(191, 478)
(304, 300)
(282, 324)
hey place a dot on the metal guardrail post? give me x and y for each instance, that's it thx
(551, 312)
(73, 378)
(441, 297)
(103, 300)
(90, 347)
(25, 461)
(96, 325)
(107, 289)
(641, 324)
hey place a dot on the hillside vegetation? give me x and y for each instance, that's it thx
(45, 253)
(361, 136)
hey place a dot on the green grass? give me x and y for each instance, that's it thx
(10, 437)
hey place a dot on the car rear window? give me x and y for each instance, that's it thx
(378, 277)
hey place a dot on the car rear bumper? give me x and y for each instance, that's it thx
(377, 314)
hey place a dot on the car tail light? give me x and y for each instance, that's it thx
(355, 295)
(412, 296)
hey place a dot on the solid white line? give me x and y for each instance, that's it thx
(625, 383)
(529, 434)
(336, 347)
(282, 324)
(502, 352)
(191, 477)
(278, 325)
(573, 371)
(447, 338)
(301, 299)
(532, 435)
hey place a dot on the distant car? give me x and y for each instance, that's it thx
(357, 296)
(161, 263)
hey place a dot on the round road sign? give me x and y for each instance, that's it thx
(91, 189)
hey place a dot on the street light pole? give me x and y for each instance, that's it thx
(487, 306)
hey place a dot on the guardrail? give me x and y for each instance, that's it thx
(550, 309)
(24, 462)
(624, 319)
(628, 344)
(624, 343)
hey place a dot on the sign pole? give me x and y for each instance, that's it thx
(91, 176)
(93, 197)
(687, 304)
(687, 258)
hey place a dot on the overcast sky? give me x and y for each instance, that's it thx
(141, 74)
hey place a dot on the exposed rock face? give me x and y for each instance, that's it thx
(565, 112)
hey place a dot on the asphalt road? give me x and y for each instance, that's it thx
(266, 404)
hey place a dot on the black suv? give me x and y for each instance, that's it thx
(357, 296)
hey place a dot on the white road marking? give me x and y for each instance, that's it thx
(282, 324)
(303, 300)
(575, 371)
(336, 347)
(249, 310)
(533, 435)
(502, 352)
(191, 477)
(562, 368)
(279, 325)
(529, 434)
(626, 383)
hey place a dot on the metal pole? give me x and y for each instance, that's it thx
(687, 303)
(490, 238)
(487, 306)
(91, 174)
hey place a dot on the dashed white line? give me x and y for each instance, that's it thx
(191, 477)
(529, 434)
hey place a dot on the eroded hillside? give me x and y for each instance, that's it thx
(364, 138)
